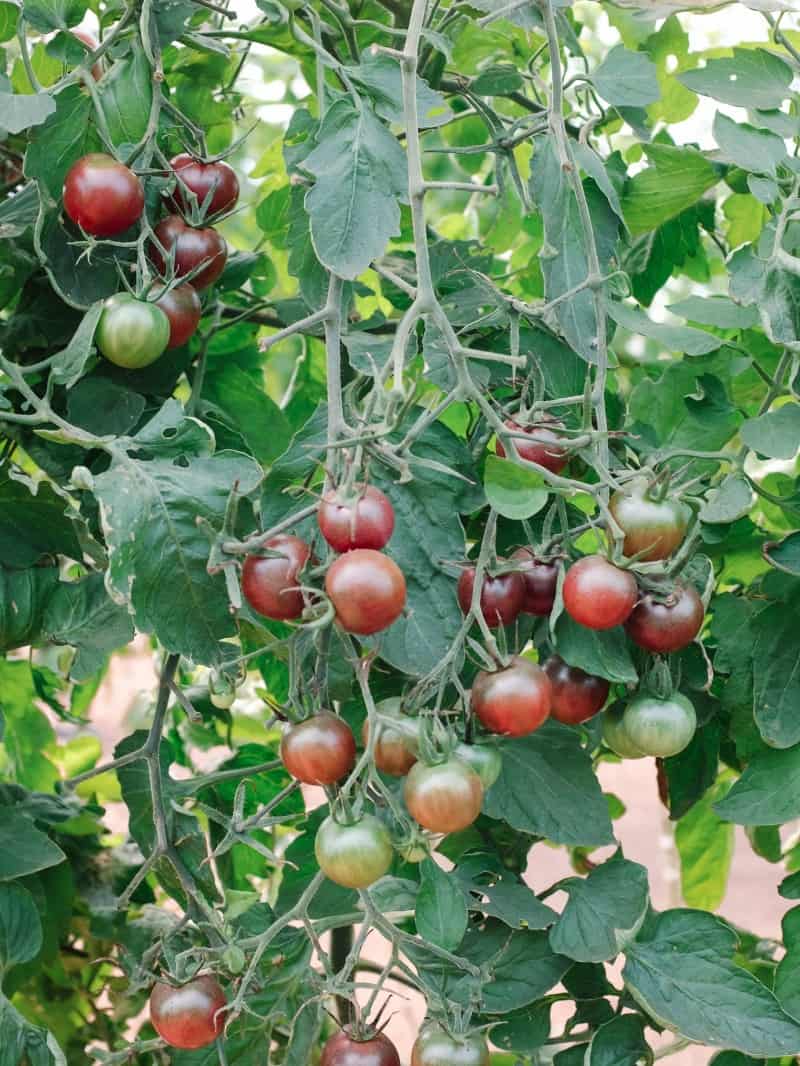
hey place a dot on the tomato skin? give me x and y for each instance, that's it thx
(615, 735)
(200, 178)
(365, 521)
(319, 750)
(577, 696)
(182, 307)
(598, 594)
(654, 528)
(435, 1047)
(270, 584)
(514, 701)
(443, 798)
(91, 44)
(193, 247)
(547, 449)
(367, 589)
(131, 333)
(541, 579)
(660, 727)
(355, 855)
(395, 750)
(484, 759)
(501, 597)
(667, 626)
(102, 196)
(187, 1017)
(342, 1049)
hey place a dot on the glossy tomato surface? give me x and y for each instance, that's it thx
(395, 750)
(546, 446)
(598, 594)
(367, 590)
(501, 597)
(215, 180)
(192, 247)
(667, 625)
(615, 735)
(353, 855)
(653, 528)
(188, 1017)
(660, 727)
(343, 1049)
(541, 578)
(320, 750)
(270, 584)
(131, 333)
(182, 307)
(514, 701)
(102, 195)
(577, 695)
(435, 1047)
(364, 519)
(443, 798)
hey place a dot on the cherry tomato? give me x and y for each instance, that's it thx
(91, 44)
(194, 176)
(615, 735)
(367, 589)
(188, 1017)
(597, 594)
(320, 750)
(182, 307)
(102, 196)
(345, 1049)
(131, 333)
(576, 694)
(435, 1047)
(540, 580)
(660, 727)
(501, 597)
(546, 446)
(445, 797)
(485, 760)
(654, 528)
(395, 750)
(271, 583)
(363, 520)
(192, 248)
(668, 625)
(513, 701)
(353, 855)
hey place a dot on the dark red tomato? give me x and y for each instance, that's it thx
(577, 695)
(546, 446)
(354, 855)
(319, 751)
(435, 1047)
(192, 248)
(102, 196)
(367, 590)
(91, 44)
(271, 583)
(599, 595)
(182, 307)
(514, 701)
(363, 520)
(188, 1017)
(653, 528)
(217, 180)
(501, 597)
(669, 624)
(443, 798)
(395, 750)
(344, 1049)
(540, 580)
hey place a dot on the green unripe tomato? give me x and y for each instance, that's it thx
(485, 760)
(660, 727)
(354, 855)
(131, 333)
(615, 735)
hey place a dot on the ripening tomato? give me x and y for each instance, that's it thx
(182, 307)
(653, 528)
(217, 181)
(91, 44)
(102, 195)
(131, 333)
(364, 519)
(188, 1017)
(577, 695)
(353, 855)
(192, 247)
(485, 760)
(501, 597)
(546, 446)
(435, 1047)
(667, 625)
(541, 578)
(513, 701)
(443, 798)
(320, 750)
(346, 1049)
(395, 750)
(598, 594)
(660, 727)
(615, 736)
(271, 584)
(367, 589)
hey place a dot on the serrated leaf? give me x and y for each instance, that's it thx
(19, 112)
(674, 338)
(513, 490)
(83, 615)
(46, 15)
(24, 849)
(619, 1042)
(705, 848)
(604, 653)
(64, 137)
(752, 77)
(747, 146)
(676, 179)
(68, 365)
(775, 434)
(380, 75)
(20, 926)
(732, 500)
(627, 79)
(716, 311)
(441, 909)
(33, 522)
(784, 554)
(126, 94)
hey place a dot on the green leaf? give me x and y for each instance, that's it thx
(20, 927)
(694, 770)
(46, 15)
(776, 434)
(24, 849)
(784, 554)
(79, 283)
(255, 415)
(716, 311)
(768, 792)
(705, 846)
(787, 975)
(732, 500)
(68, 365)
(776, 674)
(126, 94)
(593, 165)
(28, 733)
(83, 615)
(380, 75)
(513, 490)
(23, 598)
(524, 1031)
(619, 1042)
(515, 904)
(33, 522)
(20, 112)
(604, 911)
(102, 406)
(9, 16)
(67, 135)
(497, 80)
(673, 338)
(604, 653)
(441, 910)
(361, 174)
(748, 147)
(627, 79)
(677, 178)
(774, 292)
(752, 78)
(547, 787)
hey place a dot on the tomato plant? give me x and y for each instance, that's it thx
(197, 253)
(214, 185)
(576, 695)
(319, 751)
(541, 580)
(598, 594)
(444, 797)
(271, 582)
(668, 624)
(361, 519)
(367, 590)
(346, 1049)
(353, 854)
(132, 333)
(513, 701)
(501, 599)
(658, 726)
(102, 195)
(182, 307)
(188, 1017)
(436, 1047)
(653, 527)
(545, 446)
